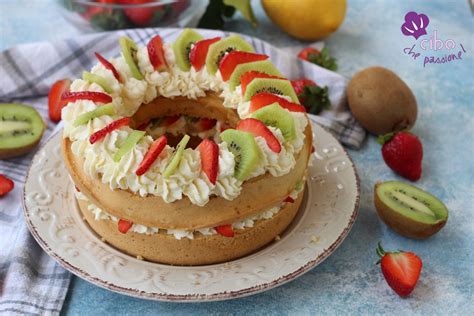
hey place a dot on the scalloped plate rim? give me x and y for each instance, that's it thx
(220, 296)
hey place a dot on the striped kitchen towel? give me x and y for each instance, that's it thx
(30, 281)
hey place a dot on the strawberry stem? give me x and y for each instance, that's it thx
(380, 251)
(382, 139)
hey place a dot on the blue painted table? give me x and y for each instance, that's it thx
(348, 282)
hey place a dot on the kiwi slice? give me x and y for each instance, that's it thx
(264, 66)
(408, 210)
(182, 47)
(21, 129)
(132, 139)
(101, 81)
(129, 52)
(220, 48)
(275, 86)
(106, 109)
(176, 157)
(274, 115)
(245, 150)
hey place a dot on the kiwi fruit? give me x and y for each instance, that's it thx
(220, 48)
(264, 66)
(275, 86)
(132, 139)
(21, 129)
(176, 157)
(245, 150)
(381, 101)
(274, 115)
(182, 47)
(106, 109)
(408, 210)
(101, 81)
(129, 52)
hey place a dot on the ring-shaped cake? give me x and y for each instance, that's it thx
(188, 153)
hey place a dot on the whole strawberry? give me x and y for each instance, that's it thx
(403, 153)
(401, 270)
(313, 97)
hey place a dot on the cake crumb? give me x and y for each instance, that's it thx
(103, 239)
(315, 239)
(139, 258)
(277, 238)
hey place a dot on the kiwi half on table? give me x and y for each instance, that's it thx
(408, 210)
(21, 129)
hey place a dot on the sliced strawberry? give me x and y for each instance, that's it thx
(247, 77)
(100, 134)
(107, 64)
(299, 84)
(99, 97)
(55, 103)
(198, 54)
(234, 58)
(205, 124)
(124, 226)
(6, 185)
(151, 155)
(225, 230)
(264, 98)
(313, 149)
(77, 189)
(257, 128)
(289, 199)
(401, 270)
(156, 53)
(170, 120)
(209, 159)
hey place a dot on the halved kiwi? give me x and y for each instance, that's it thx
(176, 157)
(245, 150)
(275, 86)
(101, 81)
(129, 52)
(106, 109)
(274, 115)
(132, 139)
(264, 66)
(220, 48)
(21, 129)
(408, 210)
(182, 47)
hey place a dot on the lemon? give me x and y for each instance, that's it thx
(306, 19)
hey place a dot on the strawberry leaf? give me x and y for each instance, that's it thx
(315, 99)
(323, 59)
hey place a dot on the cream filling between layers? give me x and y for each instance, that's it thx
(99, 214)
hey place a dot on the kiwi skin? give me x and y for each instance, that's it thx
(403, 225)
(6, 153)
(381, 101)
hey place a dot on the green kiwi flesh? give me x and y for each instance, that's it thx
(275, 86)
(182, 48)
(106, 109)
(409, 210)
(264, 66)
(245, 150)
(101, 81)
(132, 139)
(129, 52)
(176, 157)
(274, 115)
(220, 48)
(21, 129)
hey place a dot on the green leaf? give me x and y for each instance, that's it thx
(245, 9)
(323, 59)
(315, 99)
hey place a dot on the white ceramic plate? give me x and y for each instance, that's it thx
(327, 214)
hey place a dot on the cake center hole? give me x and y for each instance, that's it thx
(174, 127)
